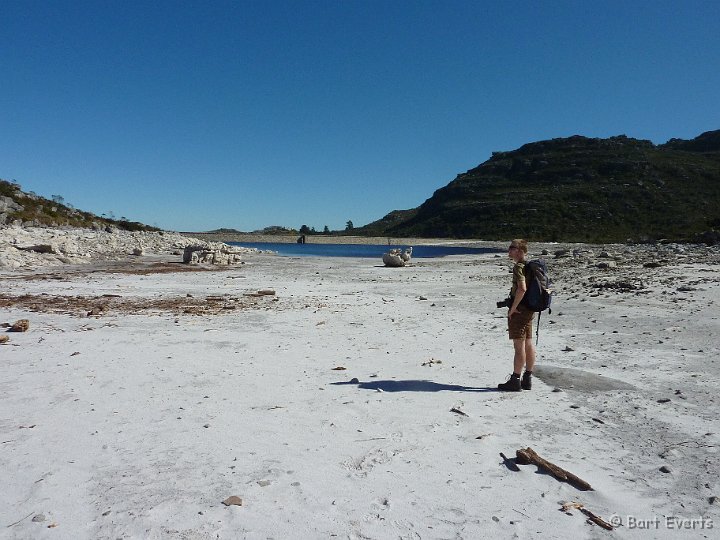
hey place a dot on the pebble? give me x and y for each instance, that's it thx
(665, 469)
(38, 518)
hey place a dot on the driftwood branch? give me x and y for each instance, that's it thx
(528, 455)
(597, 520)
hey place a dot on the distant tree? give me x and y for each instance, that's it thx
(304, 229)
(349, 226)
(312, 230)
(326, 230)
(58, 199)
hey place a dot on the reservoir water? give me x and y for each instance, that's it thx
(360, 250)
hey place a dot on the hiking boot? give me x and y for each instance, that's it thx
(512, 384)
(526, 383)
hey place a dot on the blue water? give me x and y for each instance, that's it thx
(359, 250)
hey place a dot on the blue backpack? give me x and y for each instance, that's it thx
(538, 295)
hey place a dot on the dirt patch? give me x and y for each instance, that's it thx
(129, 268)
(97, 306)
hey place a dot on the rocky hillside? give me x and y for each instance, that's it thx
(577, 189)
(29, 210)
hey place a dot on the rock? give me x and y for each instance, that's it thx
(665, 469)
(233, 500)
(266, 292)
(211, 253)
(20, 326)
(714, 499)
(8, 204)
(562, 253)
(137, 251)
(606, 264)
(38, 518)
(264, 483)
(4, 339)
(42, 248)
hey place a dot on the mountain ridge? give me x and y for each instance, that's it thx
(576, 189)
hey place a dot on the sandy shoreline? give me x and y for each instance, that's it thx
(188, 387)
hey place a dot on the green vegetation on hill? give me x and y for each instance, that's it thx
(576, 189)
(30, 209)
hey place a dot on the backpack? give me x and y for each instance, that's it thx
(538, 295)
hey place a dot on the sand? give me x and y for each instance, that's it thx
(358, 401)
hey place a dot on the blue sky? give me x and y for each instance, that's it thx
(195, 115)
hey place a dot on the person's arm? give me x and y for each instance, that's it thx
(519, 293)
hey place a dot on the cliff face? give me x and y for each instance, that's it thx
(577, 189)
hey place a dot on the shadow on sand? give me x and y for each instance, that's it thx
(414, 386)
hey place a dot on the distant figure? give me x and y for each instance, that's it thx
(519, 323)
(301, 240)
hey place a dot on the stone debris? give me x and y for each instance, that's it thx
(20, 326)
(233, 500)
(36, 247)
(212, 253)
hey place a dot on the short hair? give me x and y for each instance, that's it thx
(520, 243)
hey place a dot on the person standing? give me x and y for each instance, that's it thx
(519, 323)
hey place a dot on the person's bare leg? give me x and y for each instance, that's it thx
(529, 355)
(519, 358)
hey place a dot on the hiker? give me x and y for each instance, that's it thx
(520, 320)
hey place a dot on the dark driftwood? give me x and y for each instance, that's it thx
(597, 520)
(528, 455)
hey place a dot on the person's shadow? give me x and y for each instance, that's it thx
(414, 386)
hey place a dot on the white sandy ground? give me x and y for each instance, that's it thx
(139, 425)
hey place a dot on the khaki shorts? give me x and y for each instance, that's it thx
(520, 324)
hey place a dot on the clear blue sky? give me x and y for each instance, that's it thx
(194, 115)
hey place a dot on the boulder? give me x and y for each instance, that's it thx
(220, 254)
(8, 205)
